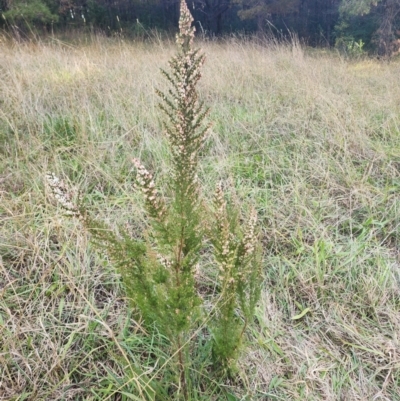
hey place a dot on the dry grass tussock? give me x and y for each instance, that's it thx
(312, 139)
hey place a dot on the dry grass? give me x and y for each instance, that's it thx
(312, 139)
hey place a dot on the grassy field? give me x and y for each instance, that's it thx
(312, 139)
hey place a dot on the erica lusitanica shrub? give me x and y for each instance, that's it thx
(159, 270)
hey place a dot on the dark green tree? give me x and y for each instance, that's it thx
(382, 17)
(316, 21)
(261, 10)
(211, 12)
(27, 14)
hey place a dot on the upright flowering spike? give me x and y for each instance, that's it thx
(236, 253)
(185, 114)
(250, 238)
(185, 36)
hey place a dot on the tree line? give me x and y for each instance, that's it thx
(351, 25)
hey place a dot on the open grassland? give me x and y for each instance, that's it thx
(311, 139)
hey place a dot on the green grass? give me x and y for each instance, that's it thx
(311, 139)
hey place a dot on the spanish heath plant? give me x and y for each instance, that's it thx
(159, 273)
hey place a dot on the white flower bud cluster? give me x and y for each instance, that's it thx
(186, 31)
(62, 194)
(220, 203)
(146, 183)
(250, 238)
